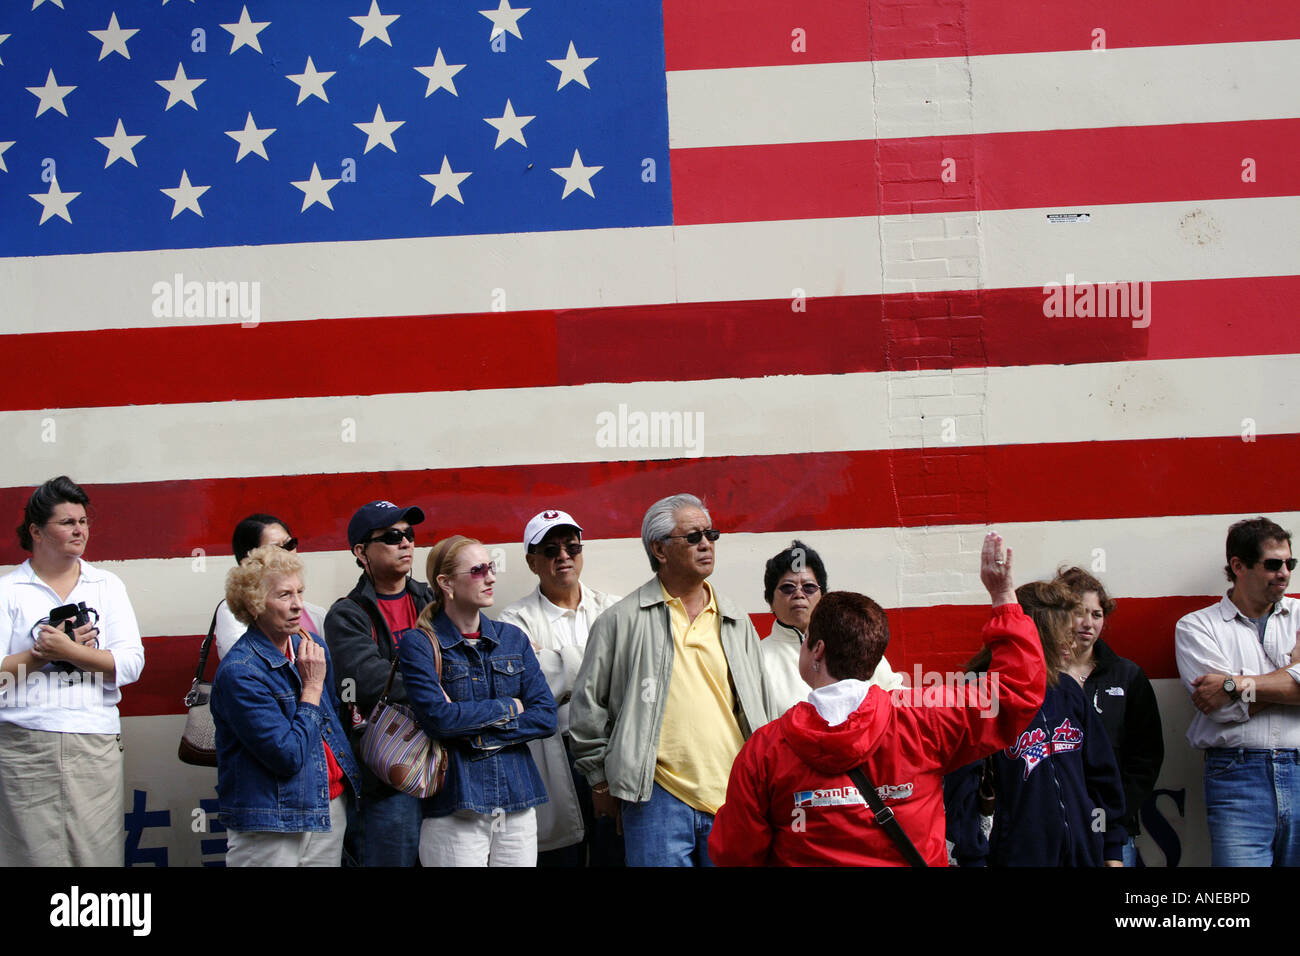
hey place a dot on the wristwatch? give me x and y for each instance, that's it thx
(1230, 688)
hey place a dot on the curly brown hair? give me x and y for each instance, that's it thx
(1081, 582)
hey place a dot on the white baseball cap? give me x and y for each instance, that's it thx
(544, 521)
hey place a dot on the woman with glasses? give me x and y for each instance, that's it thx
(793, 582)
(61, 785)
(475, 685)
(256, 531)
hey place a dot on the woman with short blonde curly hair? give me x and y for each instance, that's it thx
(283, 760)
(247, 584)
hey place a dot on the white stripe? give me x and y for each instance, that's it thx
(1072, 89)
(527, 426)
(898, 567)
(707, 263)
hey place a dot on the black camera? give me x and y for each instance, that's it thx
(69, 617)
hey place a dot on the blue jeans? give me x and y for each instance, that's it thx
(389, 834)
(1248, 805)
(1130, 851)
(663, 831)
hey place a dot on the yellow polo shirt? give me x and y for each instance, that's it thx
(699, 737)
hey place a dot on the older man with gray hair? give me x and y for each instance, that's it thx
(671, 686)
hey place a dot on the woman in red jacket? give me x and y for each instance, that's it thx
(789, 799)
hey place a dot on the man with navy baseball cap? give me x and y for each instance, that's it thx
(556, 616)
(359, 630)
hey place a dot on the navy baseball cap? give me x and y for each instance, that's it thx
(379, 514)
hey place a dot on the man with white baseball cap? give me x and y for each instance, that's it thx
(557, 617)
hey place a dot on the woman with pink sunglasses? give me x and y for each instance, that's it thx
(475, 685)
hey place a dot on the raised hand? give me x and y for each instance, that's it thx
(995, 570)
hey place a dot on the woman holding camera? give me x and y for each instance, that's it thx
(61, 785)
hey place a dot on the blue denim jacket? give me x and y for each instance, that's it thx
(489, 767)
(271, 769)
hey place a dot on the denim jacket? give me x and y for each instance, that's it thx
(489, 766)
(271, 769)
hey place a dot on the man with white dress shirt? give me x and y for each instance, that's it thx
(557, 617)
(1239, 661)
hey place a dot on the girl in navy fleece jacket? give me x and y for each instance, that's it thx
(1059, 799)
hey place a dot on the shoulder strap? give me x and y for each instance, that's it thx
(437, 663)
(885, 816)
(192, 696)
(207, 645)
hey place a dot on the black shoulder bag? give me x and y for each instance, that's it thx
(885, 816)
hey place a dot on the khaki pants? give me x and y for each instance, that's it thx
(264, 848)
(61, 798)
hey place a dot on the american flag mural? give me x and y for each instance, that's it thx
(873, 274)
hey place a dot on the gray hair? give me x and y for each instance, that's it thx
(661, 519)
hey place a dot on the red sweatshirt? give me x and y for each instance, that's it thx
(790, 802)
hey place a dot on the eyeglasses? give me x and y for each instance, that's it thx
(552, 551)
(393, 536)
(479, 570)
(1275, 564)
(289, 544)
(807, 587)
(694, 537)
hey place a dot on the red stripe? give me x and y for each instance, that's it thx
(825, 491)
(962, 329)
(940, 638)
(716, 34)
(1071, 169)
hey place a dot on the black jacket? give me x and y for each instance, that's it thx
(361, 646)
(1119, 691)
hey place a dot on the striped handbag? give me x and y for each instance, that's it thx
(396, 749)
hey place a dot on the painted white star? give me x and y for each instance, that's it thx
(509, 126)
(180, 88)
(3, 147)
(55, 202)
(374, 25)
(57, 3)
(50, 95)
(112, 38)
(379, 131)
(3, 37)
(577, 176)
(311, 82)
(165, 2)
(185, 196)
(440, 74)
(573, 67)
(120, 146)
(316, 189)
(445, 182)
(505, 19)
(244, 32)
(250, 139)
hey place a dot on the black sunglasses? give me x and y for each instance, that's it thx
(807, 587)
(694, 537)
(1275, 564)
(289, 544)
(552, 551)
(393, 536)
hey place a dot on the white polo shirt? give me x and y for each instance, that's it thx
(46, 701)
(1221, 640)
